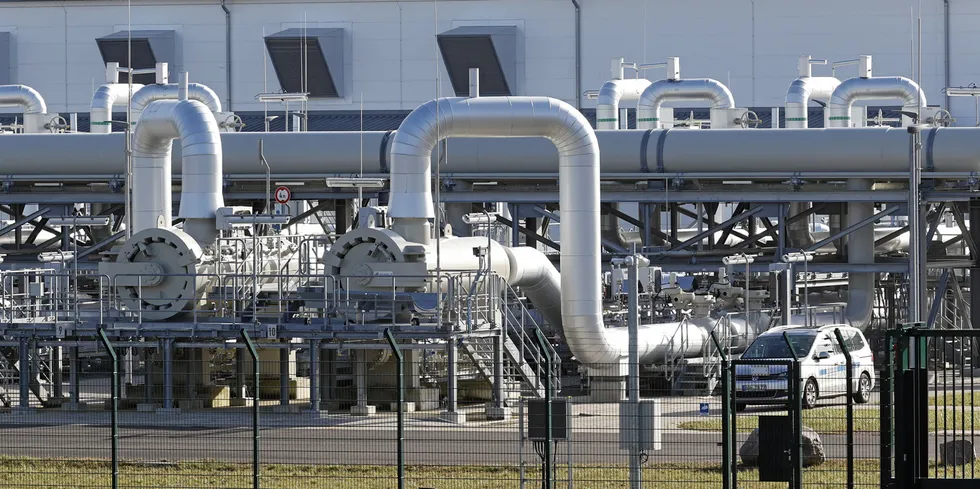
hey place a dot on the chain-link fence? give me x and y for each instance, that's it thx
(326, 414)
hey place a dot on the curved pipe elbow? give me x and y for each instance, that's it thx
(201, 192)
(105, 98)
(875, 88)
(23, 96)
(691, 89)
(612, 94)
(195, 91)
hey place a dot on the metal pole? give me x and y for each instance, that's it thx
(849, 376)
(73, 374)
(114, 412)
(400, 366)
(24, 374)
(915, 236)
(255, 407)
(168, 374)
(633, 381)
(796, 412)
(726, 413)
(315, 376)
(788, 291)
(548, 421)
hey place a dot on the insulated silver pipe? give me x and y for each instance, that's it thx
(860, 250)
(718, 151)
(195, 91)
(798, 97)
(23, 96)
(107, 96)
(611, 95)
(201, 194)
(874, 88)
(691, 89)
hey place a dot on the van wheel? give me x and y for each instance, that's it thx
(863, 394)
(810, 394)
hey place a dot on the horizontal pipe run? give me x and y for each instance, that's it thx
(684, 153)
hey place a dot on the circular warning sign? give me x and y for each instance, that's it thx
(283, 195)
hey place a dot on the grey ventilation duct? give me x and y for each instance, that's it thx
(309, 60)
(492, 49)
(149, 47)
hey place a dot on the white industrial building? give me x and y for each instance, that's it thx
(386, 52)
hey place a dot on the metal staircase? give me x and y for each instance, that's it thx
(523, 359)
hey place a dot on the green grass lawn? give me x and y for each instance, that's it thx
(833, 420)
(34, 473)
(950, 399)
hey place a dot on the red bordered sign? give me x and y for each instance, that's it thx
(283, 195)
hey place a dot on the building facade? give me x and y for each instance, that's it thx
(386, 55)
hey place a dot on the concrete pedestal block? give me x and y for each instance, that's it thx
(498, 413)
(363, 410)
(607, 389)
(409, 407)
(314, 414)
(454, 417)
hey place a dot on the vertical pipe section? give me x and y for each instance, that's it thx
(201, 190)
(24, 373)
(228, 72)
(860, 251)
(916, 228)
(168, 374)
(314, 376)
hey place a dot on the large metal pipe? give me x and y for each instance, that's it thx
(23, 96)
(692, 89)
(950, 149)
(201, 194)
(873, 88)
(152, 93)
(107, 96)
(611, 95)
(801, 92)
(860, 250)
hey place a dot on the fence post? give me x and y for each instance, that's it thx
(726, 414)
(546, 353)
(400, 370)
(849, 378)
(255, 407)
(114, 407)
(795, 394)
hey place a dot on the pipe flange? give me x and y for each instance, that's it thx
(167, 283)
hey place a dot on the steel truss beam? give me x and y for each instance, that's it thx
(850, 229)
(529, 233)
(712, 230)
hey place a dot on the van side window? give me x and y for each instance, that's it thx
(853, 341)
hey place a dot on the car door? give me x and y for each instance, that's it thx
(830, 370)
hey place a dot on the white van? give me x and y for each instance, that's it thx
(822, 363)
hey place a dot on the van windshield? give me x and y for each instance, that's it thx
(774, 346)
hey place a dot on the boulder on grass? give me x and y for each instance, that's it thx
(813, 453)
(957, 452)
